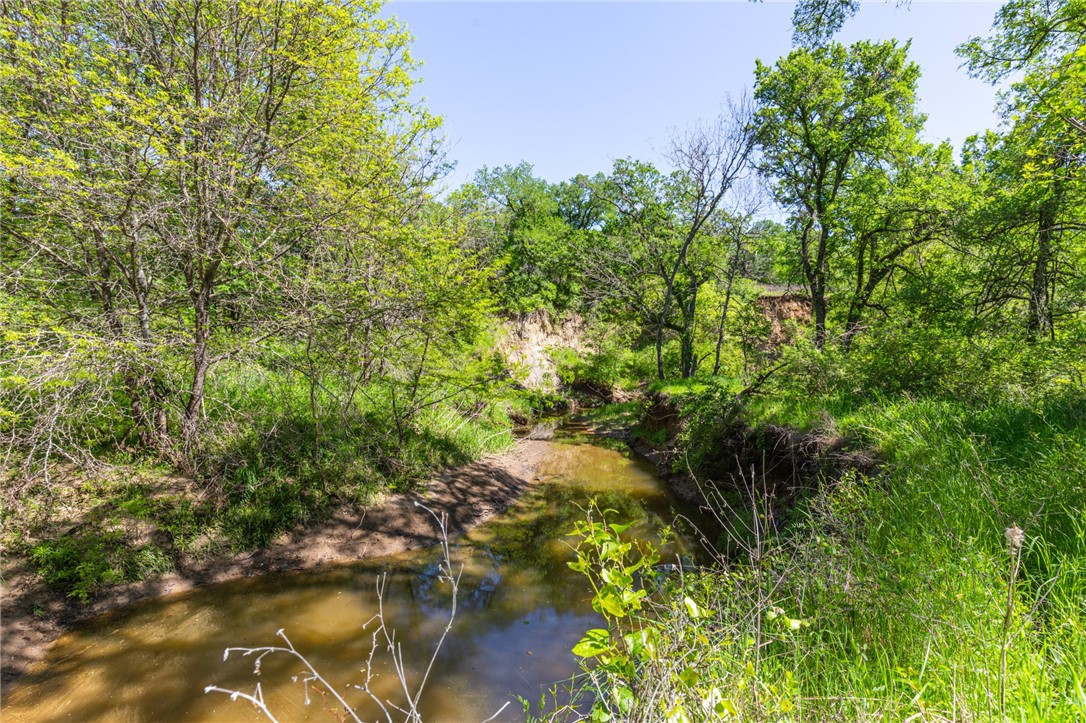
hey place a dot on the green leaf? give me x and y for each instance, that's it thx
(624, 698)
(676, 714)
(594, 642)
(608, 602)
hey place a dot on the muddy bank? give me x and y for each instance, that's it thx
(784, 464)
(34, 616)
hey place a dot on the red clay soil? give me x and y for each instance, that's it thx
(32, 617)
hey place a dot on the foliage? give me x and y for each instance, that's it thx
(830, 119)
(821, 619)
(221, 258)
(675, 648)
(1027, 228)
(611, 364)
(539, 233)
(168, 210)
(81, 564)
(664, 232)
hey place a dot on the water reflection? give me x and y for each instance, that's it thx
(520, 611)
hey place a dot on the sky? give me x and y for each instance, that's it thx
(572, 86)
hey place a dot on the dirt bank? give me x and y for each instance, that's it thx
(529, 339)
(32, 616)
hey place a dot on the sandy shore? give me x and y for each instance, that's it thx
(32, 617)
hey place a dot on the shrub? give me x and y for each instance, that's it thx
(80, 565)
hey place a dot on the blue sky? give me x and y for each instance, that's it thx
(571, 86)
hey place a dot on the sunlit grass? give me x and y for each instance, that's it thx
(902, 579)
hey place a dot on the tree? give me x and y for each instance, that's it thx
(540, 233)
(894, 210)
(170, 167)
(746, 251)
(645, 265)
(709, 159)
(628, 270)
(1024, 233)
(656, 255)
(824, 115)
(1036, 165)
(815, 22)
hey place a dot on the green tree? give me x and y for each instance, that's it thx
(1024, 232)
(661, 245)
(824, 116)
(892, 212)
(1037, 203)
(171, 169)
(709, 158)
(646, 257)
(540, 234)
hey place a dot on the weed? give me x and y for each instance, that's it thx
(80, 565)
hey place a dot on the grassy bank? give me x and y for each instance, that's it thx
(270, 465)
(947, 582)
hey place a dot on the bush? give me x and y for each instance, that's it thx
(82, 564)
(884, 598)
(678, 646)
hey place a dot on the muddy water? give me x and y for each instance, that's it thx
(520, 610)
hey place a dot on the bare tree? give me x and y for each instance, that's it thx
(709, 157)
(737, 227)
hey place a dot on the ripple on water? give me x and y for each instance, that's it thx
(521, 610)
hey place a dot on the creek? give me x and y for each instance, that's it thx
(520, 611)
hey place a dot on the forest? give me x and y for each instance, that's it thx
(235, 298)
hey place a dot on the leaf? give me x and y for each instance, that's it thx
(676, 714)
(691, 608)
(725, 706)
(608, 602)
(624, 698)
(594, 642)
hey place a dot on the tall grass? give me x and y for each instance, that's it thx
(274, 458)
(900, 596)
(293, 454)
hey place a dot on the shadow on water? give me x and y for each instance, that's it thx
(520, 612)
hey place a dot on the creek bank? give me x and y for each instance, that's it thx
(528, 340)
(785, 464)
(34, 616)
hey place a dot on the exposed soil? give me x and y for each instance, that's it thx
(780, 309)
(785, 464)
(529, 339)
(32, 616)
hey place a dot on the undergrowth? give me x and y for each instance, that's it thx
(905, 595)
(268, 467)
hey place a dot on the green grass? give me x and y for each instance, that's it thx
(928, 563)
(901, 581)
(620, 414)
(267, 467)
(82, 564)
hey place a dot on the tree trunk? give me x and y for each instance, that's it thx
(689, 359)
(1039, 322)
(723, 320)
(815, 273)
(156, 393)
(818, 307)
(201, 360)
